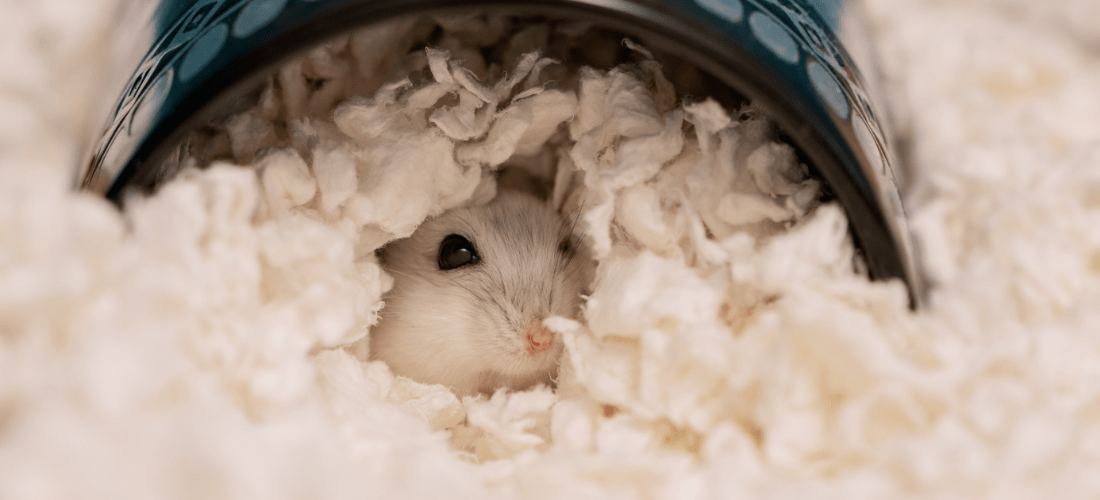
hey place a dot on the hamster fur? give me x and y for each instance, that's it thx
(478, 327)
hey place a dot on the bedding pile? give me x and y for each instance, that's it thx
(208, 340)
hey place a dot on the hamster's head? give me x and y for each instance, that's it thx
(471, 289)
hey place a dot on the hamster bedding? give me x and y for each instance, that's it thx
(211, 340)
(648, 182)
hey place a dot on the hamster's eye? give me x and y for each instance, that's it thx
(456, 251)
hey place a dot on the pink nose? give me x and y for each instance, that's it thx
(539, 339)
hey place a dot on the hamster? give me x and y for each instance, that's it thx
(471, 288)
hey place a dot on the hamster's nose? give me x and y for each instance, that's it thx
(539, 338)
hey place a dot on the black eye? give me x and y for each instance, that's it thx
(456, 251)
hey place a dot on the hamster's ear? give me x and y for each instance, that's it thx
(572, 202)
(519, 178)
(569, 191)
(485, 191)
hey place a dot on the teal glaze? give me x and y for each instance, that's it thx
(787, 54)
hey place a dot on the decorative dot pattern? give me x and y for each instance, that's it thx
(730, 10)
(774, 36)
(147, 109)
(829, 89)
(203, 51)
(256, 15)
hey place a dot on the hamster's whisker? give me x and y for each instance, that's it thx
(581, 238)
(410, 276)
(419, 311)
(422, 313)
(573, 228)
(569, 216)
(575, 215)
(443, 318)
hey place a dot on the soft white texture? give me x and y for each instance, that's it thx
(181, 350)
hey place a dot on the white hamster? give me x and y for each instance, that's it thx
(471, 288)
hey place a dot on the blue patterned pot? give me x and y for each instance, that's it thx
(800, 59)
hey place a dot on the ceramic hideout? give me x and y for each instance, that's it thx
(177, 64)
